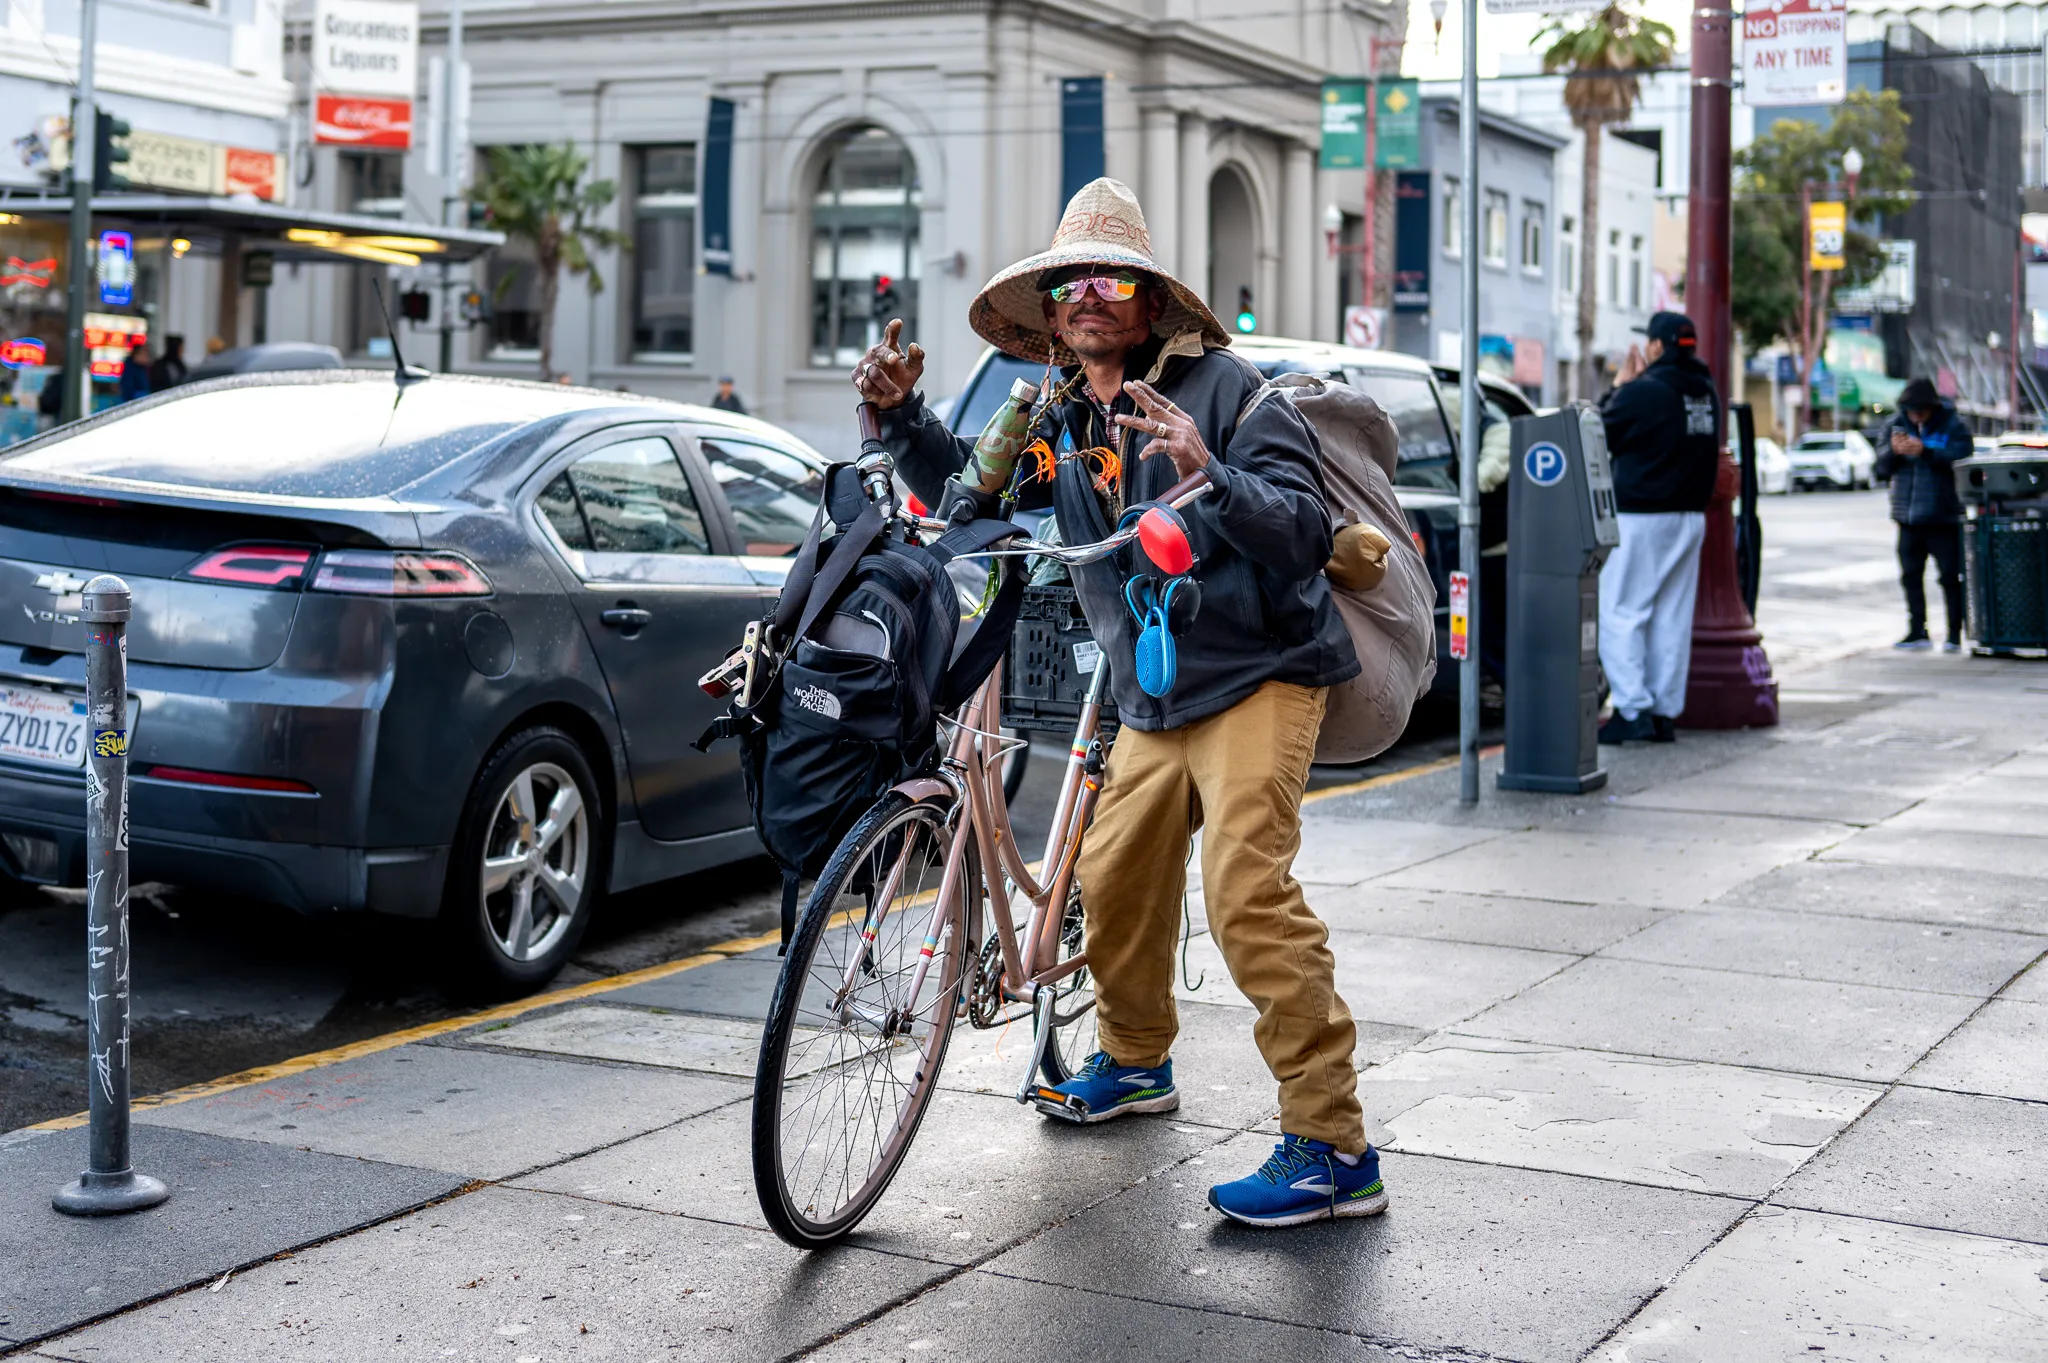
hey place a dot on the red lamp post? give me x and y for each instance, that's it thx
(1730, 686)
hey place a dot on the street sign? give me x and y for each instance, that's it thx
(366, 47)
(1343, 125)
(1461, 615)
(1795, 52)
(1364, 327)
(1892, 291)
(1397, 125)
(1830, 227)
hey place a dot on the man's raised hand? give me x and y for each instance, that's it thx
(885, 375)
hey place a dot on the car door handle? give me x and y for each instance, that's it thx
(628, 618)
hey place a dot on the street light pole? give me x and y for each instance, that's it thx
(449, 95)
(1468, 416)
(1730, 685)
(84, 146)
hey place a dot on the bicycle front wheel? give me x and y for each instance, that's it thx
(850, 1059)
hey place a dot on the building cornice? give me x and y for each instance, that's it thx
(1163, 37)
(151, 75)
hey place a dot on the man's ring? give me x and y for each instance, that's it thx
(1160, 427)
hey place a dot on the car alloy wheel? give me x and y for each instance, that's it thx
(536, 860)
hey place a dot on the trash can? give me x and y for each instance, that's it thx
(2005, 550)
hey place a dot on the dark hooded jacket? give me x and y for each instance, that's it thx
(1261, 538)
(1664, 436)
(1924, 489)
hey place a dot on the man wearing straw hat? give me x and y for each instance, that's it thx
(1147, 393)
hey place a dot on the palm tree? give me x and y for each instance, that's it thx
(536, 194)
(1613, 40)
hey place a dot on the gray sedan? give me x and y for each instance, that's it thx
(428, 651)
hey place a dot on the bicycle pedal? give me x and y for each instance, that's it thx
(1065, 1106)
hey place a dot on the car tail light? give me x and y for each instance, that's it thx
(191, 776)
(379, 572)
(278, 566)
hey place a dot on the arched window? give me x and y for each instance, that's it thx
(864, 245)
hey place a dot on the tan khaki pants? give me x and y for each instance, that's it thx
(1240, 773)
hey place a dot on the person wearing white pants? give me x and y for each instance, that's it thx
(1646, 598)
(1663, 423)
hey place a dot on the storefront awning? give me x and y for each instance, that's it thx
(289, 233)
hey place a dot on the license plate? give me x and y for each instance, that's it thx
(46, 727)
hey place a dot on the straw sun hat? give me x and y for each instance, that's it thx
(1103, 225)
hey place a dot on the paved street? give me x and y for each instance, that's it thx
(1743, 1058)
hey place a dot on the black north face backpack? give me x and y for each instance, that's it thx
(862, 659)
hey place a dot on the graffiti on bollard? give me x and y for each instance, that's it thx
(108, 1185)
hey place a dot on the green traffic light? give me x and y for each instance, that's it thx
(1247, 322)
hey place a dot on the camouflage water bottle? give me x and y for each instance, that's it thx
(1003, 439)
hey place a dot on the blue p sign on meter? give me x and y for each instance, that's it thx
(1544, 463)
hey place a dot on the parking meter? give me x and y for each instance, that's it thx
(1561, 527)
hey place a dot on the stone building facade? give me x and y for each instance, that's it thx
(924, 141)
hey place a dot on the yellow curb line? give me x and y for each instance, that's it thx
(1395, 777)
(355, 1050)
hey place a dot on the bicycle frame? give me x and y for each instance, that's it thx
(972, 776)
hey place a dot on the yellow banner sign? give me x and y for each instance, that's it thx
(1829, 228)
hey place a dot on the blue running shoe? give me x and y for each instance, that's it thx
(1303, 1180)
(1105, 1089)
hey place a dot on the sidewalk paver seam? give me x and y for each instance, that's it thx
(1428, 1353)
(212, 1276)
(1769, 1201)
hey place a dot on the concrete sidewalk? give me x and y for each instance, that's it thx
(1745, 1058)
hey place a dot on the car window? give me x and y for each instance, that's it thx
(1819, 442)
(987, 389)
(1425, 441)
(628, 498)
(773, 494)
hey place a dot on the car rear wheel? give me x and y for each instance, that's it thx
(527, 865)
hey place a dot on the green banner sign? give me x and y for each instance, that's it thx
(1343, 125)
(1397, 125)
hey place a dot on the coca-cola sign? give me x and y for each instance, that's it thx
(352, 121)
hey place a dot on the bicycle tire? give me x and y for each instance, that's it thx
(801, 1001)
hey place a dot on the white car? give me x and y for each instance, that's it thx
(1773, 467)
(1842, 459)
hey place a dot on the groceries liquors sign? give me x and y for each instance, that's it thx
(365, 67)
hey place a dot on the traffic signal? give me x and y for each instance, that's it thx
(883, 304)
(415, 305)
(1247, 320)
(109, 149)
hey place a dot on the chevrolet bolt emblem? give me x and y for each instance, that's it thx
(60, 583)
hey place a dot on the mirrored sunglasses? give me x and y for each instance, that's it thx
(1107, 289)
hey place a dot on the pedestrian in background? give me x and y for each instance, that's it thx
(1918, 456)
(727, 400)
(1664, 439)
(135, 374)
(169, 370)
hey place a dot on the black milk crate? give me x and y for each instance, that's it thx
(1043, 684)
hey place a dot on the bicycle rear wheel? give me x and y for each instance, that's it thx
(845, 1075)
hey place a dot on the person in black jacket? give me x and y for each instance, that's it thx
(1664, 439)
(1146, 393)
(1918, 452)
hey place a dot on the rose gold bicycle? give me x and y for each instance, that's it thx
(889, 954)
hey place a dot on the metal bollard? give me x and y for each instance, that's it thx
(108, 1185)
